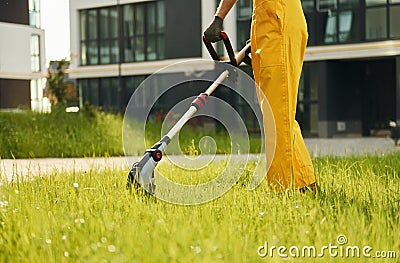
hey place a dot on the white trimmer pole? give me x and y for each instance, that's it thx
(217, 82)
(194, 108)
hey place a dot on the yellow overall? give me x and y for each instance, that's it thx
(278, 42)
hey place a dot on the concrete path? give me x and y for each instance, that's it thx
(350, 146)
(10, 168)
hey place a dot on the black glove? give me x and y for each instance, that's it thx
(213, 31)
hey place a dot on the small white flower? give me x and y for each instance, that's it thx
(93, 247)
(76, 185)
(80, 220)
(196, 249)
(112, 248)
(48, 241)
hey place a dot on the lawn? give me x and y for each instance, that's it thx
(91, 217)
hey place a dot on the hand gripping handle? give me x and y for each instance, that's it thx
(233, 60)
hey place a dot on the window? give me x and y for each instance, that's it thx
(394, 21)
(144, 31)
(89, 92)
(324, 5)
(105, 93)
(99, 36)
(345, 20)
(342, 21)
(109, 95)
(382, 19)
(375, 2)
(142, 35)
(35, 53)
(375, 23)
(307, 106)
(349, 26)
(350, 21)
(330, 29)
(131, 83)
(108, 35)
(349, 3)
(34, 13)
(36, 95)
(244, 14)
(308, 5)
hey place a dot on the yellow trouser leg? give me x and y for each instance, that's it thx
(279, 37)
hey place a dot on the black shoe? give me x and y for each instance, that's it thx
(312, 187)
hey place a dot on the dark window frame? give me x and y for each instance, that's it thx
(88, 39)
(146, 34)
(318, 27)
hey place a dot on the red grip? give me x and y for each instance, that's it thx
(223, 35)
(200, 101)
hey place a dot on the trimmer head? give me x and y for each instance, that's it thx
(134, 176)
(142, 172)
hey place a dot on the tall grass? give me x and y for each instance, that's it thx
(190, 137)
(91, 217)
(59, 134)
(88, 133)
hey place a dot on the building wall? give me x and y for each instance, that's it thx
(18, 76)
(15, 51)
(353, 45)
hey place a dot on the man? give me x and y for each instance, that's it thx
(278, 42)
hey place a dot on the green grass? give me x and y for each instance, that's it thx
(59, 134)
(88, 133)
(49, 220)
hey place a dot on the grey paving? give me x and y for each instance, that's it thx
(12, 169)
(350, 146)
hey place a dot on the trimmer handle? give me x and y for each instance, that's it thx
(233, 60)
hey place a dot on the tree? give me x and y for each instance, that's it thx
(58, 88)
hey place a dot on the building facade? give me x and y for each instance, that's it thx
(351, 78)
(22, 60)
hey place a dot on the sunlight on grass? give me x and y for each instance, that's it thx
(91, 217)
